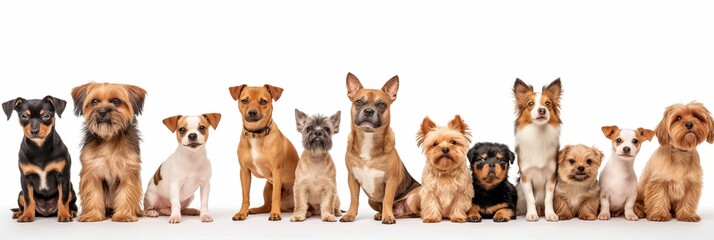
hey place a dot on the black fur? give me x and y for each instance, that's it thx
(503, 192)
(51, 151)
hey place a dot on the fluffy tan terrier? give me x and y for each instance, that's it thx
(671, 183)
(577, 190)
(446, 190)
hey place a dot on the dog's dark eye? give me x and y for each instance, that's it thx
(358, 102)
(635, 141)
(530, 104)
(589, 161)
(436, 144)
(453, 142)
(46, 117)
(95, 101)
(547, 103)
(381, 105)
(327, 129)
(182, 130)
(679, 118)
(263, 102)
(308, 129)
(116, 102)
(619, 140)
(244, 101)
(24, 117)
(202, 128)
(571, 161)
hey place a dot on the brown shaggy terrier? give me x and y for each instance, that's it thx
(577, 190)
(110, 183)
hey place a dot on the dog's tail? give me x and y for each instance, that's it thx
(14, 209)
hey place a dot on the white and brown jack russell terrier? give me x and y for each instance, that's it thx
(172, 188)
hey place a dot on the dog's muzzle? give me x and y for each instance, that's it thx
(253, 116)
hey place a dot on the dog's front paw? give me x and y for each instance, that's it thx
(25, 218)
(274, 217)
(240, 216)
(458, 220)
(605, 216)
(378, 217)
(16, 214)
(91, 217)
(297, 218)
(347, 218)
(206, 218)
(631, 217)
(388, 219)
(587, 217)
(173, 219)
(431, 220)
(475, 218)
(659, 217)
(500, 219)
(124, 218)
(64, 218)
(151, 213)
(688, 217)
(329, 218)
(551, 217)
(532, 217)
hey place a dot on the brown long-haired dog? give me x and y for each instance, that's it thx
(110, 183)
(446, 190)
(671, 183)
(577, 190)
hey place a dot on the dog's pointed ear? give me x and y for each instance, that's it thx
(554, 89)
(235, 91)
(426, 126)
(213, 119)
(563, 152)
(300, 118)
(11, 105)
(661, 131)
(458, 124)
(391, 87)
(520, 88)
(609, 130)
(353, 85)
(275, 92)
(172, 122)
(79, 94)
(136, 96)
(57, 103)
(646, 133)
(335, 119)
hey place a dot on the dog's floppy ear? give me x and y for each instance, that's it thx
(609, 131)
(212, 118)
(300, 118)
(598, 154)
(172, 122)
(79, 94)
(11, 105)
(353, 85)
(511, 155)
(335, 119)
(554, 89)
(645, 133)
(57, 103)
(470, 154)
(391, 87)
(235, 91)
(458, 124)
(426, 126)
(136, 96)
(562, 153)
(275, 92)
(661, 131)
(520, 88)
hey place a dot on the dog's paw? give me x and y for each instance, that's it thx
(206, 218)
(688, 218)
(296, 218)
(16, 214)
(378, 217)
(458, 220)
(474, 219)
(173, 219)
(431, 220)
(190, 212)
(659, 217)
(124, 218)
(347, 218)
(631, 217)
(73, 214)
(388, 219)
(274, 217)
(64, 218)
(25, 218)
(500, 219)
(329, 218)
(587, 217)
(604, 216)
(151, 213)
(240, 216)
(532, 217)
(91, 217)
(551, 217)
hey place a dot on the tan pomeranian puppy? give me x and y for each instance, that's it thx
(577, 189)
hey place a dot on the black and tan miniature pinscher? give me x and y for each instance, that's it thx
(44, 162)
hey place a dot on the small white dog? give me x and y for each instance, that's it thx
(172, 188)
(618, 182)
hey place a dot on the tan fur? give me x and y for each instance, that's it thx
(28, 215)
(575, 198)
(446, 191)
(277, 157)
(315, 179)
(63, 212)
(671, 183)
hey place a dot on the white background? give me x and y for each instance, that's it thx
(621, 63)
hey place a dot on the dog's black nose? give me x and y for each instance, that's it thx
(689, 125)
(626, 149)
(541, 111)
(192, 136)
(368, 112)
(492, 165)
(103, 112)
(252, 113)
(34, 131)
(318, 133)
(445, 150)
(581, 169)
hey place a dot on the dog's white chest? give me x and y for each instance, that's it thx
(538, 147)
(367, 145)
(369, 178)
(254, 153)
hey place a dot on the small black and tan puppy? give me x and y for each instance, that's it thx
(44, 162)
(494, 196)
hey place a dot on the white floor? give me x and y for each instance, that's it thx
(364, 228)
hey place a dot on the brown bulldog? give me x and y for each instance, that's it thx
(371, 160)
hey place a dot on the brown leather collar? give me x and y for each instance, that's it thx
(258, 133)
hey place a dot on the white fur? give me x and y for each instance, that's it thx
(182, 174)
(538, 147)
(367, 145)
(368, 177)
(618, 182)
(534, 112)
(254, 148)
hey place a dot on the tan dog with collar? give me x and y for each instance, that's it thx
(371, 159)
(264, 152)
